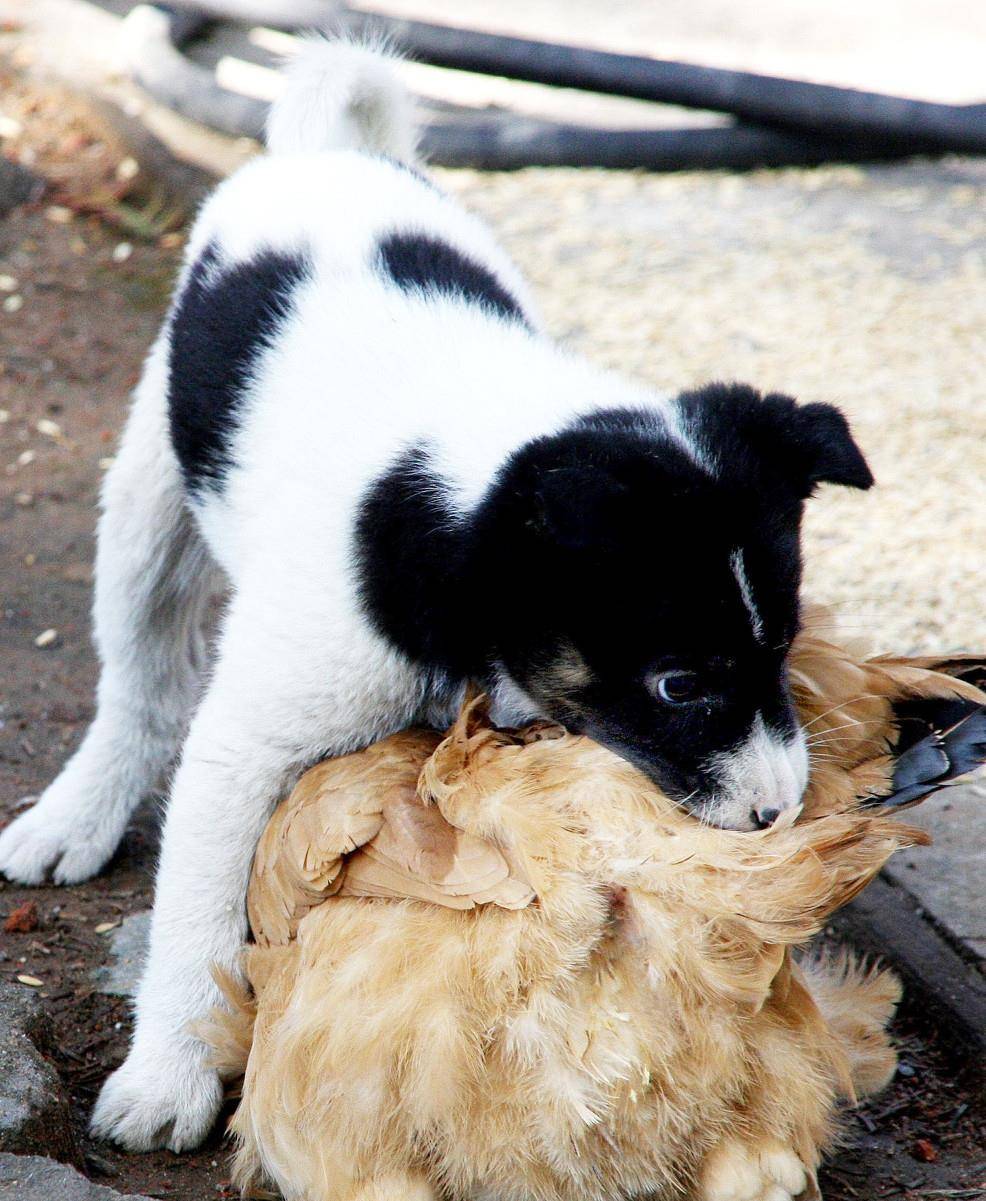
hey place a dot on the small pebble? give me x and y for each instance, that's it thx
(925, 1151)
(46, 638)
(23, 919)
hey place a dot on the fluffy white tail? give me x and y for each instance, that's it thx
(342, 95)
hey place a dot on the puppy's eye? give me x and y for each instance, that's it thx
(678, 687)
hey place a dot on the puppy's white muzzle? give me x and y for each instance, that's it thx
(759, 780)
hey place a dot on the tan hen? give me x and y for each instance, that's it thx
(538, 978)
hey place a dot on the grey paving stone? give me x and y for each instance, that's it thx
(127, 948)
(34, 1107)
(32, 1178)
(949, 877)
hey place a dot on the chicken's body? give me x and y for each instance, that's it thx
(639, 1028)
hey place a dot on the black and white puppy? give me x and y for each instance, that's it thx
(352, 413)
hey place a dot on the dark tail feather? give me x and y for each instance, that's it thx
(940, 741)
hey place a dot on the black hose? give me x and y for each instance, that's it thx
(490, 141)
(493, 144)
(896, 123)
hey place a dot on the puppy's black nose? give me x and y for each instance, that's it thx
(762, 818)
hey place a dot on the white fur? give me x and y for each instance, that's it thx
(360, 370)
(768, 772)
(746, 591)
(340, 95)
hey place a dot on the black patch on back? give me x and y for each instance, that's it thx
(410, 551)
(420, 263)
(222, 322)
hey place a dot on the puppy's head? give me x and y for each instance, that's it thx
(643, 575)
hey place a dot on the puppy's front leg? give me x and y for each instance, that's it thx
(235, 766)
(165, 1094)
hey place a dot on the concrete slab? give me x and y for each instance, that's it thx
(949, 877)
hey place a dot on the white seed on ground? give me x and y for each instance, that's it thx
(46, 638)
(50, 429)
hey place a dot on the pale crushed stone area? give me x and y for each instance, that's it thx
(858, 285)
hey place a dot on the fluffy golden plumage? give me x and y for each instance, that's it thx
(640, 1026)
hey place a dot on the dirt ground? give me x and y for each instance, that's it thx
(91, 296)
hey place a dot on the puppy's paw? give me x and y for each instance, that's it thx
(53, 838)
(764, 1171)
(155, 1101)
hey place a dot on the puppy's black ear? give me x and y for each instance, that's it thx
(760, 439)
(820, 443)
(576, 507)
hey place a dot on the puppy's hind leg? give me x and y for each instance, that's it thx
(152, 579)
